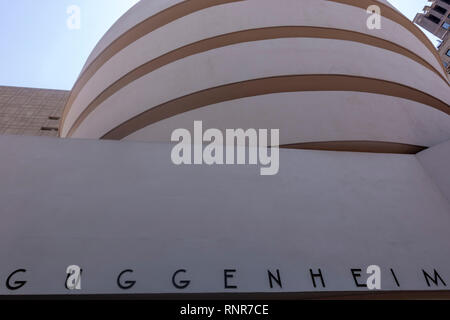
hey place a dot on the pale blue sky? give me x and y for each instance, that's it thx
(39, 50)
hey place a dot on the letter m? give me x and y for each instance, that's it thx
(435, 279)
(240, 136)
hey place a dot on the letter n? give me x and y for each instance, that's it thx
(277, 278)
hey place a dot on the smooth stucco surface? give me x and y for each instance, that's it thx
(110, 206)
(116, 86)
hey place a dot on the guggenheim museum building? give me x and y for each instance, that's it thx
(360, 205)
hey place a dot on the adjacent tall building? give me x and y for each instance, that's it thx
(29, 111)
(444, 52)
(436, 19)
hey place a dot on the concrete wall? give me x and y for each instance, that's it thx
(435, 161)
(111, 206)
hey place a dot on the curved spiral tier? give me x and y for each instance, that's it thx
(311, 68)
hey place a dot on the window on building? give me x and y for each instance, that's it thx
(433, 18)
(49, 129)
(439, 9)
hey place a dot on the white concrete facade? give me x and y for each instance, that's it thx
(401, 58)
